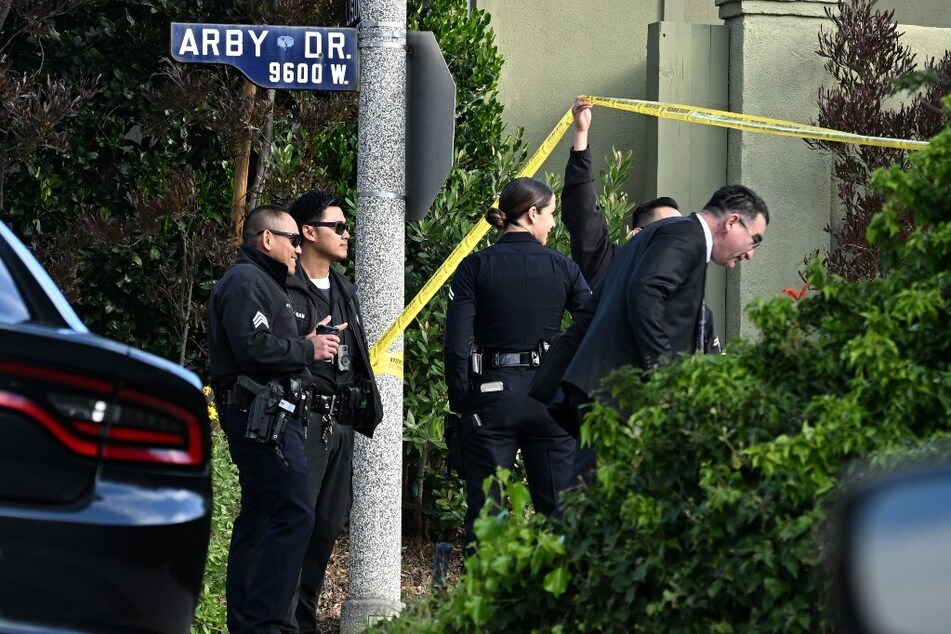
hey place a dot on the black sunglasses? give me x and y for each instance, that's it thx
(293, 237)
(339, 226)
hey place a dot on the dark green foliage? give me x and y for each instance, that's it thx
(707, 511)
(485, 159)
(869, 64)
(122, 209)
(124, 187)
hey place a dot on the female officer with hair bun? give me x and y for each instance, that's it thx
(508, 300)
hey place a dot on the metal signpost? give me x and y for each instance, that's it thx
(430, 122)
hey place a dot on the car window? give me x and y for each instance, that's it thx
(13, 308)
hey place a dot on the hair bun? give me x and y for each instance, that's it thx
(495, 217)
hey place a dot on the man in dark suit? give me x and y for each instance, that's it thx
(648, 306)
(591, 245)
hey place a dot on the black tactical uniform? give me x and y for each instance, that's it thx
(510, 298)
(252, 332)
(347, 400)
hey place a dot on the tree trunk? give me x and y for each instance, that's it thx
(4, 11)
(267, 140)
(242, 161)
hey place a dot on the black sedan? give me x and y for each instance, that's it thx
(105, 478)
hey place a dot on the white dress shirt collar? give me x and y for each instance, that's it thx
(707, 235)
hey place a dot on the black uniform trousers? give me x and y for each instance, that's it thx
(505, 422)
(271, 530)
(330, 476)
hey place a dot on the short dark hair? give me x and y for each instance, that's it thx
(643, 214)
(310, 207)
(260, 218)
(737, 199)
(518, 197)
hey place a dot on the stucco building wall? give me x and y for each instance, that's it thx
(774, 72)
(934, 13)
(556, 49)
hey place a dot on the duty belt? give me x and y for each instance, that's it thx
(228, 397)
(530, 359)
(325, 406)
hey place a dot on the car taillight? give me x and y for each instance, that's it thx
(91, 415)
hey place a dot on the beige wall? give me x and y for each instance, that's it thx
(774, 72)
(927, 42)
(556, 49)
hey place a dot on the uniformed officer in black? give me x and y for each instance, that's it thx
(509, 299)
(253, 333)
(347, 396)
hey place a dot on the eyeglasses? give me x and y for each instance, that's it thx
(339, 226)
(757, 238)
(293, 237)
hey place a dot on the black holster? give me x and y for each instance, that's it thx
(355, 401)
(269, 410)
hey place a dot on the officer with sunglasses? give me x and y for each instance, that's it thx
(254, 341)
(346, 398)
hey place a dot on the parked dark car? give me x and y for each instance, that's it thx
(105, 478)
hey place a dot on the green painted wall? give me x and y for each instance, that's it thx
(936, 13)
(556, 49)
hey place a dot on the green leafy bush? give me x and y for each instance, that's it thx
(707, 511)
(210, 616)
(485, 158)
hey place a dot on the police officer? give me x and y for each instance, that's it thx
(255, 349)
(510, 299)
(346, 397)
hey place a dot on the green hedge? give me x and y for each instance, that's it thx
(708, 509)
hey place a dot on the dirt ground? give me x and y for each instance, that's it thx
(418, 555)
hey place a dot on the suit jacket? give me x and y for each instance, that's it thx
(591, 245)
(587, 225)
(648, 306)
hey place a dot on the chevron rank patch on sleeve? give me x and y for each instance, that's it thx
(259, 319)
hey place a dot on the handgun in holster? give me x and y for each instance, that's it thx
(269, 410)
(475, 358)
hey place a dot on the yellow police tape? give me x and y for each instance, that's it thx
(462, 250)
(388, 363)
(392, 363)
(750, 123)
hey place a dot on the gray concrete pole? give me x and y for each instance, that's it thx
(375, 521)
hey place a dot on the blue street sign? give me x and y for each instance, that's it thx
(287, 57)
